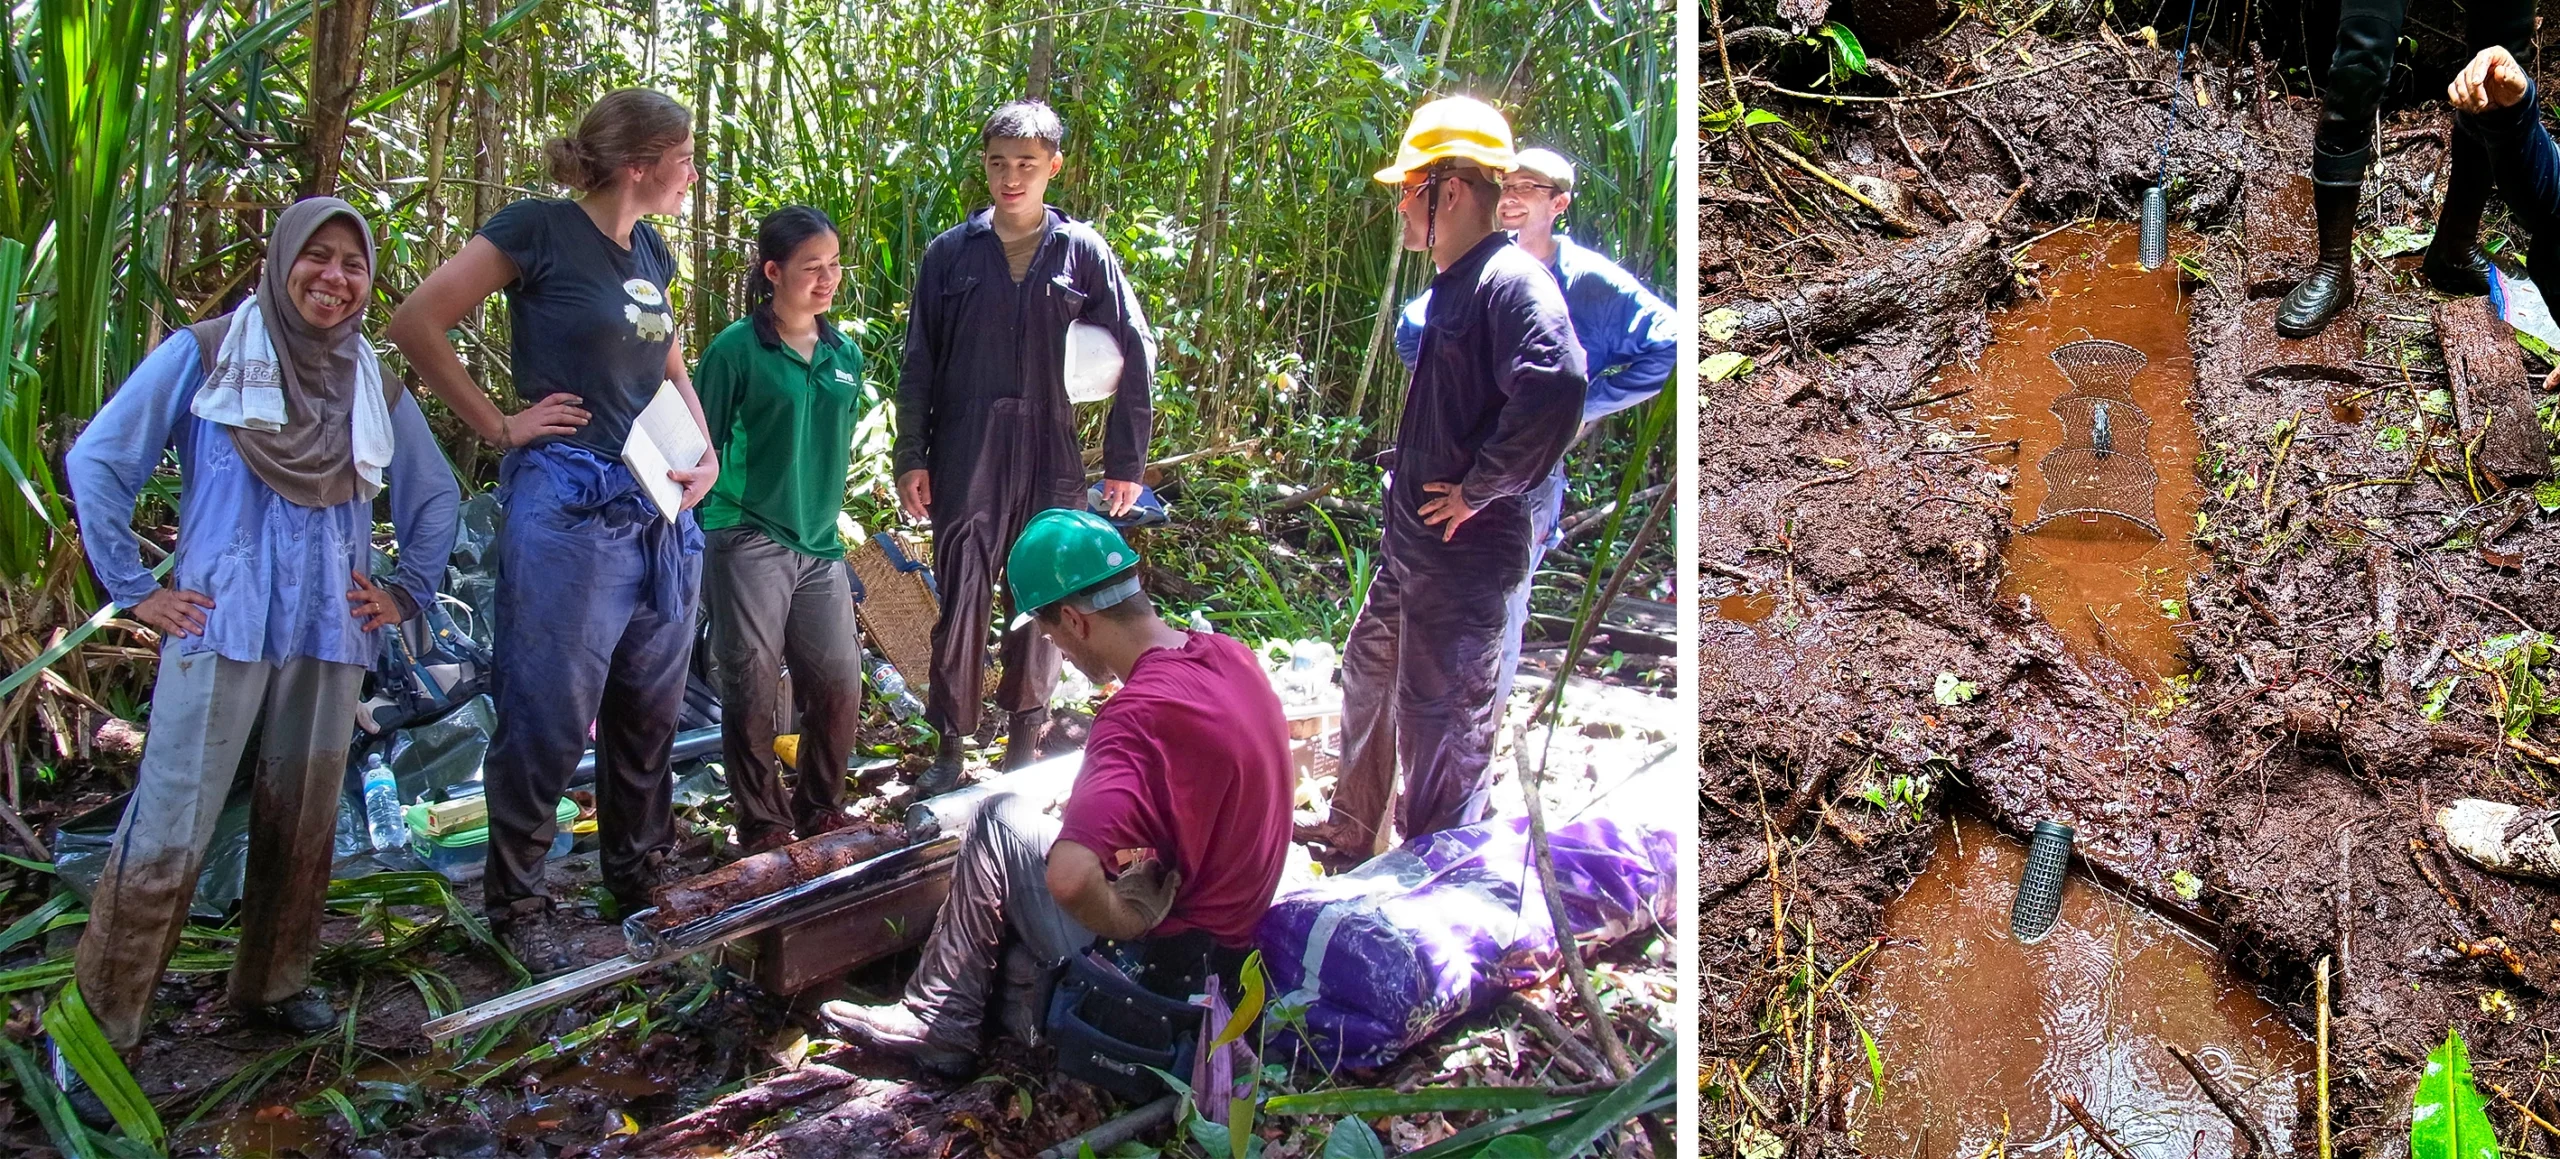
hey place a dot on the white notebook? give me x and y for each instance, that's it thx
(664, 438)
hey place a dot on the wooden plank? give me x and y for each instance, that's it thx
(792, 958)
(2492, 389)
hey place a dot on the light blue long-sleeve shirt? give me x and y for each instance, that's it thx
(1630, 338)
(277, 572)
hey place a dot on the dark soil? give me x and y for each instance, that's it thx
(2294, 777)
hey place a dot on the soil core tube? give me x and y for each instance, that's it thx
(1979, 1036)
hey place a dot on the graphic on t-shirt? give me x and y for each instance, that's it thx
(651, 325)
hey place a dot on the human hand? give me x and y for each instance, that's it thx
(2493, 80)
(915, 494)
(1451, 506)
(1146, 888)
(556, 414)
(174, 611)
(373, 607)
(1118, 497)
(697, 481)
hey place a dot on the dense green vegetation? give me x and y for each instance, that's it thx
(1223, 147)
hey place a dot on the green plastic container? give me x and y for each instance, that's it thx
(463, 854)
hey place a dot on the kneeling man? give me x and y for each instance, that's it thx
(1178, 823)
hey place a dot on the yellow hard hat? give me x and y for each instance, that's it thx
(1461, 127)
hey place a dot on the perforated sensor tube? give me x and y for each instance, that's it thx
(2040, 887)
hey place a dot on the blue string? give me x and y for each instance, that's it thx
(2185, 39)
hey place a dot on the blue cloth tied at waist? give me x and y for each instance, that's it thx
(587, 489)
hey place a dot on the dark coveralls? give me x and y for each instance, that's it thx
(2360, 69)
(2528, 167)
(983, 405)
(1496, 397)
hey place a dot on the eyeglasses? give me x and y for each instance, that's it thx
(1523, 188)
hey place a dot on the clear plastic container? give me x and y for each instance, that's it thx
(463, 854)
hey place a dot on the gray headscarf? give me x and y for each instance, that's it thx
(311, 460)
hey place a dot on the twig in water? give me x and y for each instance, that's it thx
(1941, 396)
(2089, 1123)
(2223, 1099)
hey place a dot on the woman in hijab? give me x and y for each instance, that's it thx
(285, 428)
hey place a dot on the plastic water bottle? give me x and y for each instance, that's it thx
(382, 806)
(893, 687)
(1310, 671)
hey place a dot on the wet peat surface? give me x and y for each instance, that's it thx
(1867, 669)
(1981, 1037)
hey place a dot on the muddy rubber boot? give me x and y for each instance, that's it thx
(894, 1027)
(2454, 262)
(657, 867)
(531, 931)
(1022, 738)
(2331, 286)
(943, 775)
(304, 1014)
(2503, 838)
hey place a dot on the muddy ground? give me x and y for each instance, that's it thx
(1852, 552)
(694, 1056)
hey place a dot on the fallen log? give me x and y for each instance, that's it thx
(1946, 271)
(771, 872)
(2491, 389)
(722, 1124)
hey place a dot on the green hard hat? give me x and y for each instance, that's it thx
(1063, 552)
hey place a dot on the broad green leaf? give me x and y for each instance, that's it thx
(1351, 1138)
(1514, 1147)
(85, 1047)
(1650, 1084)
(37, 920)
(1953, 690)
(1249, 1009)
(1729, 364)
(2448, 1119)
(1721, 325)
(1846, 51)
(1240, 1126)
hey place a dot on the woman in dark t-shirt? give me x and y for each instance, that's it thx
(596, 586)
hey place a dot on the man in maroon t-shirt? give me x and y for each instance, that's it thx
(1178, 823)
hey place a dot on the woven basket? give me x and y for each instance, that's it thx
(897, 604)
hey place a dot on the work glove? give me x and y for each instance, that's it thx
(1147, 889)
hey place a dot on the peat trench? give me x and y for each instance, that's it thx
(2247, 719)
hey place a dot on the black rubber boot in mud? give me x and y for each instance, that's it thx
(1022, 737)
(2454, 263)
(2331, 287)
(943, 775)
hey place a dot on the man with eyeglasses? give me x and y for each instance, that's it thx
(1630, 338)
(986, 436)
(1497, 394)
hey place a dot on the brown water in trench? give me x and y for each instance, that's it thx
(2101, 582)
(1973, 1027)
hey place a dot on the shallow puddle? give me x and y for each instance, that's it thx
(1979, 1034)
(2112, 588)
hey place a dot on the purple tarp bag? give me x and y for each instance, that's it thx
(1441, 927)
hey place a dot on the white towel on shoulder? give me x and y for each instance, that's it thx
(246, 390)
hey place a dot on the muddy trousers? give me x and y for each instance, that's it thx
(595, 623)
(2359, 71)
(968, 561)
(203, 709)
(771, 606)
(1424, 677)
(1000, 881)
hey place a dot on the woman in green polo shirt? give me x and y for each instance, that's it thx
(781, 391)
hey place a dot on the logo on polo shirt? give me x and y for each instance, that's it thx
(847, 378)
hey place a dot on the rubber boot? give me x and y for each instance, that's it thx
(2331, 287)
(1022, 737)
(2454, 263)
(944, 774)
